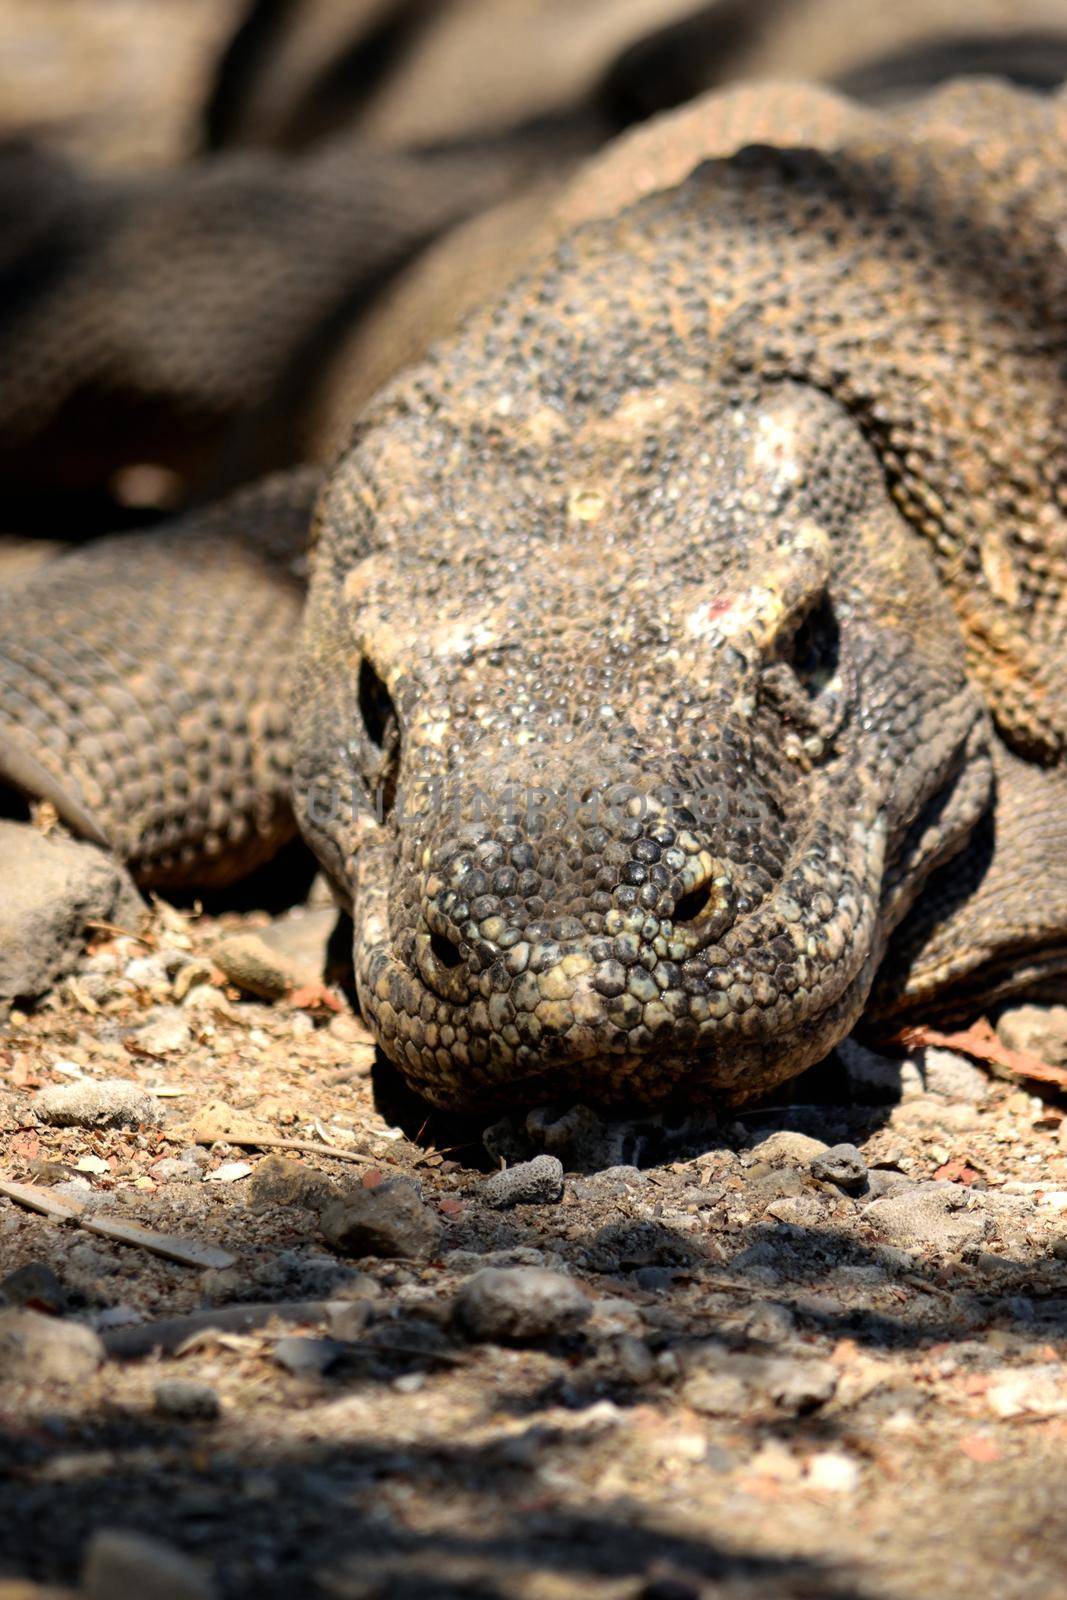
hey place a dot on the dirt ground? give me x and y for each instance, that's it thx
(776, 1384)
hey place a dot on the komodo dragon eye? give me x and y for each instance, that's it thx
(381, 731)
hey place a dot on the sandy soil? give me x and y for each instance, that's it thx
(781, 1386)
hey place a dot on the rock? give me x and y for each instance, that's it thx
(833, 1472)
(347, 1319)
(800, 1386)
(301, 939)
(880, 1080)
(532, 1183)
(120, 1565)
(770, 1323)
(172, 1169)
(1037, 1391)
(307, 1358)
(582, 1139)
(39, 1349)
(842, 1165)
(53, 888)
(97, 1103)
(35, 1286)
(633, 1360)
(519, 1305)
(1037, 1030)
(273, 961)
(953, 1077)
(387, 1221)
(186, 1400)
(786, 1148)
(799, 1211)
(278, 1181)
(875, 1079)
(165, 1032)
(655, 1279)
(741, 1385)
(147, 972)
(883, 1180)
(935, 1112)
(933, 1214)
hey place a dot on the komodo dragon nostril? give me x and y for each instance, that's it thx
(445, 951)
(691, 907)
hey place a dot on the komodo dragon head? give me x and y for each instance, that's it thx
(630, 728)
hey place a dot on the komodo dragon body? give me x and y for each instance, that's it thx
(683, 652)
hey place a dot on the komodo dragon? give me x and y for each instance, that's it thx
(682, 669)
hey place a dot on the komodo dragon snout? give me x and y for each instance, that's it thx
(622, 736)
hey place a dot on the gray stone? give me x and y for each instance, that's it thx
(274, 960)
(582, 1139)
(800, 1386)
(785, 1148)
(53, 888)
(387, 1221)
(1037, 1031)
(953, 1077)
(34, 1285)
(165, 1032)
(348, 1319)
(799, 1211)
(120, 1565)
(770, 1323)
(519, 1305)
(172, 1169)
(876, 1079)
(882, 1080)
(147, 972)
(883, 1180)
(307, 1358)
(931, 1214)
(96, 1103)
(186, 1400)
(842, 1165)
(739, 1385)
(301, 938)
(279, 1181)
(39, 1349)
(532, 1183)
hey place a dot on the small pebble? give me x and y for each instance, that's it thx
(39, 1349)
(843, 1165)
(120, 1565)
(279, 1181)
(833, 1472)
(932, 1214)
(389, 1221)
(532, 1183)
(186, 1400)
(519, 1305)
(166, 1032)
(147, 972)
(786, 1148)
(307, 1357)
(347, 1319)
(104, 1103)
(1038, 1030)
(34, 1285)
(250, 963)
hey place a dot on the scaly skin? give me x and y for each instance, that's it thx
(683, 629)
(735, 505)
